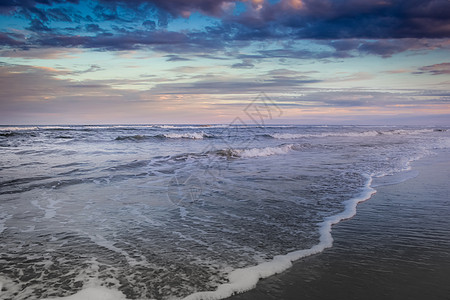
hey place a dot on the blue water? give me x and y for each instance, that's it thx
(162, 212)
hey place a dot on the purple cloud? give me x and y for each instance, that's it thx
(436, 69)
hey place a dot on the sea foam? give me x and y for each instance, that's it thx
(261, 152)
(368, 133)
(94, 293)
(186, 135)
(244, 279)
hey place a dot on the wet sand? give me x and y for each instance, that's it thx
(396, 247)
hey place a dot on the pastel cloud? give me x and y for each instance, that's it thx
(210, 57)
(436, 69)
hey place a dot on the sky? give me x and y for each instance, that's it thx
(214, 61)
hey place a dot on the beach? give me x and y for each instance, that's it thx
(396, 247)
(194, 212)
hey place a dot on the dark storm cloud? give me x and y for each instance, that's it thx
(178, 7)
(329, 19)
(372, 27)
(105, 41)
(93, 28)
(12, 40)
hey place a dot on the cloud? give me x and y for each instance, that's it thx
(361, 98)
(364, 26)
(12, 40)
(436, 69)
(328, 19)
(219, 84)
(30, 95)
(38, 25)
(397, 71)
(93, 28)
(92, 68)
(384, 47)
(48, 97)
(180, 7)
(245, 64)
(41, 53)
(173, 57)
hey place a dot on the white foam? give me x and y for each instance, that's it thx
(325, 134)
(8, 288)
(15, 128)
(186, 135)
(407, 131)
(103, 242)
(241, 280)
(191, 126)
(94, 293)
(49, 210)
(368, 133)
(3, 218)
(443, 143)
(183, 212)
(260, 152)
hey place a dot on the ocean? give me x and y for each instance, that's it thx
(182, 211)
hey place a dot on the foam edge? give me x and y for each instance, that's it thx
(245, 279)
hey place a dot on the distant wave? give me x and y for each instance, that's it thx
(172, 135)
(231, 153)
(369, 133)
(261, 152)
(132, 137)
(187, 135)
(17, 128)
(190, 126)
(8, 134)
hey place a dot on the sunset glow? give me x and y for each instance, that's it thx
(204, 61)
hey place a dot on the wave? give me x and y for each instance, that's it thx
(131, 137)
(94, 292)
(18, 128)
(245, 279)
(8, 134)
(230, 153)
(260, 152)
(369, 133)
(11, 134)
(187, 135)
(409, 131)
(190, 126)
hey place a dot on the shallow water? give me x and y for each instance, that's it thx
(167, 211)
(396, 247)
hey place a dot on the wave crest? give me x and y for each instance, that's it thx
(369, 133)
(187, 135)
(261, 152)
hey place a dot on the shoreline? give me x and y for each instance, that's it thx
(246, 279)
(376, 254)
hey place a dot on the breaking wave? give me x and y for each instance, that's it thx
(186, 135)
(369, 133)
(261, 152)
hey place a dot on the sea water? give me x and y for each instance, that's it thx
(174, 211)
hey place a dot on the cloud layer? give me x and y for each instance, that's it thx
(365, 26)
(156, 60)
